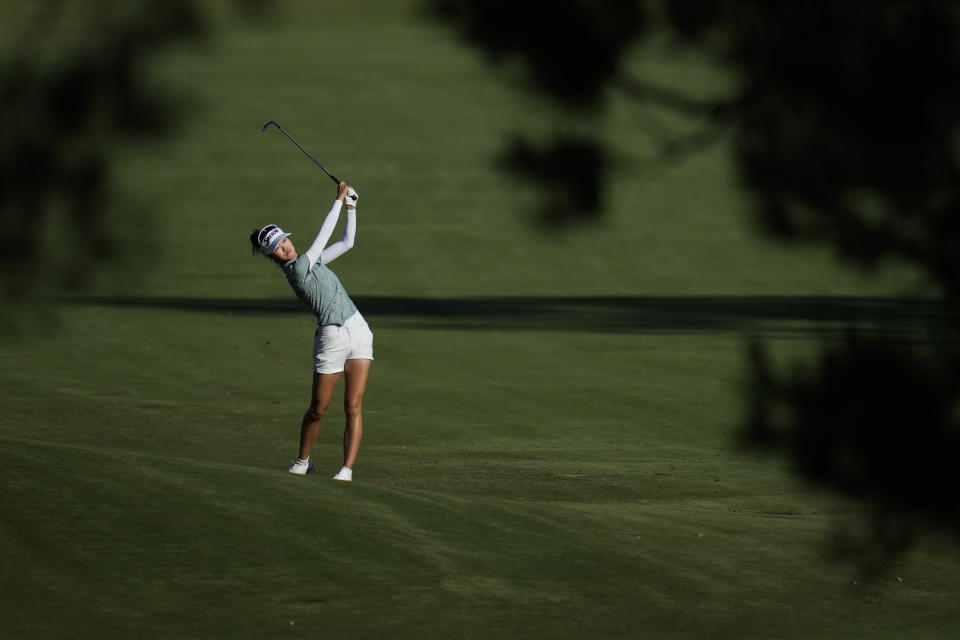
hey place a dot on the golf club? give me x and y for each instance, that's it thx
(274, 123)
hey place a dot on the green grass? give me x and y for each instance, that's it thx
(567, 473)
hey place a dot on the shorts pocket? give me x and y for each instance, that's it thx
(328, 338)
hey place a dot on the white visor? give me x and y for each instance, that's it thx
(270, 236)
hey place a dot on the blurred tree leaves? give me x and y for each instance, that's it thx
(73, 81)
(567, 169)
(846, 129)
(875, 419)
(845, 119)
(569, 51)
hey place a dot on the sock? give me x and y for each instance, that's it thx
(301, 461)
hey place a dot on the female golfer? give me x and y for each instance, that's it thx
(343, 342)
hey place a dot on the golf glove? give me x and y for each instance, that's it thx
(352, 197)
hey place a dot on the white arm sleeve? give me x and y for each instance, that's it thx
(326, 230)
(345, 243)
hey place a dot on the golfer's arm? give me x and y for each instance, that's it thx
(326, 230)
(345, 243)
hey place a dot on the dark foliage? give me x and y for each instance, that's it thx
(874, 420)
(845, 126)
(74, 87)
(571, 48)
(64, 107)
(845, 131)
(569, 173)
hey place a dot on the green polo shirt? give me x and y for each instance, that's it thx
(320, 290)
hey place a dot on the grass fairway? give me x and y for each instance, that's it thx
(549, 423)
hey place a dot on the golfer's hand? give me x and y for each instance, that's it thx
(347, 195)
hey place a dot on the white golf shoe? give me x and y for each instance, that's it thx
(344, 475)
(301, 467)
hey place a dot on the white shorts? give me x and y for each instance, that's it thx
(334, 344)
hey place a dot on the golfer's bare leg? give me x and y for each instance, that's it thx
(323, 384)
(355, 376)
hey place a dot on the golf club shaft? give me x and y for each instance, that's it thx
(299, 146)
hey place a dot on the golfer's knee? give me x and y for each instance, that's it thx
(315, 413)
(353, 408)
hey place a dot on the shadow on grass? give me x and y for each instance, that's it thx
(787, 316)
